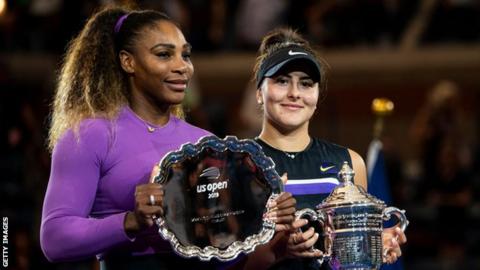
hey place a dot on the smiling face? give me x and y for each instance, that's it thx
(289, 100)
(159, 65)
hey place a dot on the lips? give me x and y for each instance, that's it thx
(291, 106)
(177, 84)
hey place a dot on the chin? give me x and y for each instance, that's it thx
(176, 102)
(292, 121)
(290, 125)
(289, 121)
(177, 99)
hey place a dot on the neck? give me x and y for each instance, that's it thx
(289, 140)
(149, 111)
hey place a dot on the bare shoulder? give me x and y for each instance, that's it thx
(359, 168)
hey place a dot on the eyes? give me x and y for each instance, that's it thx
(303, 82)
(167, 54)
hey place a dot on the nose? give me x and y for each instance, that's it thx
(180, 66)
(293, 91)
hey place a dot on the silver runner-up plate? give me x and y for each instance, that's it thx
(216, 193)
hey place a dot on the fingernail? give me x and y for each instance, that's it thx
(271, 204)
(273, 209)
(316, 234)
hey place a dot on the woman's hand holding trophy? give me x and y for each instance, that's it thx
(353, 233)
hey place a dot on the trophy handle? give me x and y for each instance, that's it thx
(321, 218)
(387, 213)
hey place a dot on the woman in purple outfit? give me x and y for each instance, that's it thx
(116, 112)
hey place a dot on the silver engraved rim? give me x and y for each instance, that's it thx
(233, 144)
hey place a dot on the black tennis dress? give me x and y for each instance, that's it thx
(312, 175)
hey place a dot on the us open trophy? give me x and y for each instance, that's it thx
(216, 194)
(352, 222)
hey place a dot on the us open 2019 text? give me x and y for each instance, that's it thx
(212, 188)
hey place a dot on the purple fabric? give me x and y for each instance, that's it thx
(92, 184)
(304, 189)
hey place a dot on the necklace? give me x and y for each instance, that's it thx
(290, 155)
(150, 127)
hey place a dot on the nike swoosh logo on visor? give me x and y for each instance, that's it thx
(295, 53)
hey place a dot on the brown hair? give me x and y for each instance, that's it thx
(285, 37)
(91, 82)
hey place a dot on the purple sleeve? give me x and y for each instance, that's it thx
(67, 232)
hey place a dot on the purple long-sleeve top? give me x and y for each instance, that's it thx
(92, 183)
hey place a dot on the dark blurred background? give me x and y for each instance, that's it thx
(423, 55)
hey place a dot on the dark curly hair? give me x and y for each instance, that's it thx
(91, 82)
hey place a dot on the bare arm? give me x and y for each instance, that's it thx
(392, 237)
(359, 168)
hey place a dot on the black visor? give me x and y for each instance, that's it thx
(292, 54)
